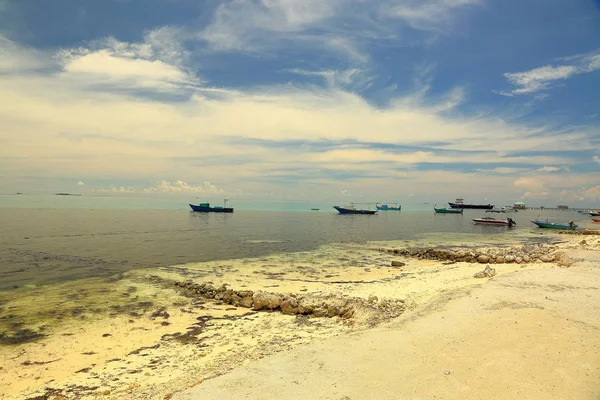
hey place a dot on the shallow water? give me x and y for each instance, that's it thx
(71, 274)
(57, 243)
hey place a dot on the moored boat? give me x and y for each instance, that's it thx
(459, 203)
(385, 207)
(595, 213)
(447, 210)
(596, 219)
(353, 210)
(571, 226)
(494, 221)
(205, 207)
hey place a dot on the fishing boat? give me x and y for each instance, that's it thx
(385, 207)
(494, 221)
(352, 210)
(205, 207)
(459, 203)
(447, 210)
(552, 225)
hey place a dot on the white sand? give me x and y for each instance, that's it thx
(528, 335)
(531, 331)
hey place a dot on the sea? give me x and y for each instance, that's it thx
(45, 239)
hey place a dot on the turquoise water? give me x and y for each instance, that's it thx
(49, 238)
(175, 203)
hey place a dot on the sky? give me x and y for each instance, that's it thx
(391, 100)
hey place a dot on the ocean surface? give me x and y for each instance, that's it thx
(58, 238)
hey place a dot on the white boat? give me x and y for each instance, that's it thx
(494, 221)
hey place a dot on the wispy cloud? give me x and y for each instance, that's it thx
(252, 26)
(547, 77)
(244, 25)
(180, 186)
(548, 169)
(156, 63)
(596, 159)
(428, 15)
(353, 78)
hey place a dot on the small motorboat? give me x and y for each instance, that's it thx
(205, 207)
(445, 210)
(596, 219)
(353, 210)
(571, 226)
(494, 221)
(595, 213)
(385, 207)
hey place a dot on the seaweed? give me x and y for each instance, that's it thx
(21, 336)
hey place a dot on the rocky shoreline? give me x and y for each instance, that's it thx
(516, 254)
(203, 320)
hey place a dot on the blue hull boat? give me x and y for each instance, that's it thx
(205, 207)
(385, 207)
(552, 225)
(353, 210)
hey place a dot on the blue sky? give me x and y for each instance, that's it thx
(407, 100)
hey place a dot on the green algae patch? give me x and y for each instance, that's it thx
(20, 336)
(30, 314)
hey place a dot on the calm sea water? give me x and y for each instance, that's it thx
(46, 238)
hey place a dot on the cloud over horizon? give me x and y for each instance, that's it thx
(299, 99)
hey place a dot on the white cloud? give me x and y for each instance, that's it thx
(180, 186)
(582, 194)
(156, 63)
(55, 123)
(534, 188)
(252, 26)
(244, 25)
(116, 189)
(16, 58)
(426, 14)
(548, 169)
(502, 170)
(80, 183)
(546, 77)
(596, 159)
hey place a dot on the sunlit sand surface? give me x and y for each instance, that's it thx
(137, 335)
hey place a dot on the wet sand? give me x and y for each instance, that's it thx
(140, 336)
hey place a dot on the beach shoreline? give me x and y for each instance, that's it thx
(160, 334)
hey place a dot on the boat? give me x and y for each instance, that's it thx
(447, 210)
(493, 221)
(314, 209)
(596, 219)
(459, 203)
(353, 210)
(509, 209)
(205, 207)
(595, 213)
(552, 225)
(385, 207)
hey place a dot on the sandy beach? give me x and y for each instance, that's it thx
(353, 326)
